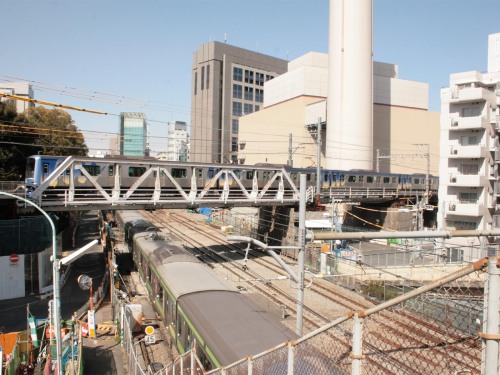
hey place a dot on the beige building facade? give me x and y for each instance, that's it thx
(227, 83)
(295, 103)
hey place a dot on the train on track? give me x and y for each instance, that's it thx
(200, 307)
(187, 175)
(196, 304)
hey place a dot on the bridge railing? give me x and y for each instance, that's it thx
(87, 183)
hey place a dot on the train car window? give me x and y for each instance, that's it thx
(111, 170)
(178, 173)
(136, 171)
(249, 175)
(334, 178)
(341, 177)
(309, 177)
(416, 180)
(45, 168)
(387, 180)
(237, 173)
(94, 170)
(325, 177)
(361, 178)
(199, 173)
(351, 178)
(210, 173)
(369, 179)
(393, 180)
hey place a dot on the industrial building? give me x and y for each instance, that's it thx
(284, 131)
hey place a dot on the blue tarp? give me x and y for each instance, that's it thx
(205, 211)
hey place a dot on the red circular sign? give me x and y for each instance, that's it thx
(14, 258)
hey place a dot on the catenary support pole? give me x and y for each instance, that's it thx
(357, 344)
(301, 256)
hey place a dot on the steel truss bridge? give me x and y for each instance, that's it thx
(161, 184)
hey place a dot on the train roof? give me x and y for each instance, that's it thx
(233, 325)
(182, 272)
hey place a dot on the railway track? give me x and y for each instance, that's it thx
(262, 275)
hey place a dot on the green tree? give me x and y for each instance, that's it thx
(35, 131)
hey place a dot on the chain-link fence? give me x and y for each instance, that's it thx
(444, 327)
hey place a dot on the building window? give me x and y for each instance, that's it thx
(248, 76)
(237, 91)
(259, 79)
(259, 95)
(234, 144)
(237, 74)
(202, 78)
(257, 108)
(471, 111)
(468, 140)
(470, 198)
(208, 77)
(234, 159)
(237, 109)
(195, 82)
(248, 108)
(235, 125)
(469, 169)
(248, 93)
(269, 77)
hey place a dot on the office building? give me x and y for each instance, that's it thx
(133, 134)
(178, 141)
(22, 89)
(227, 83)
(469, 187)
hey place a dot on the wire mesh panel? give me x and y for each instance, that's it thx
(432, 333)
(272, 363)
(240, 368)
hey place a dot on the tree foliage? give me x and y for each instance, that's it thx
(35, 131)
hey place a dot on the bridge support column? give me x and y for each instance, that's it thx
(273, 224)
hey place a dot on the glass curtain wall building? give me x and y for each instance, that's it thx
(133, 134)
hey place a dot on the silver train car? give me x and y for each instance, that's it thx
(39, 167)
(199, 306)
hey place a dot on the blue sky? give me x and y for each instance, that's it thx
(140, 52)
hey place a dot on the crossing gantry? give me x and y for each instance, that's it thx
(81, 183)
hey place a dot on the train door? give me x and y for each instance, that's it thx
(326, 182)
(211, 172)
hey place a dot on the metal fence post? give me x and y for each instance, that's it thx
(492, 334)
(357, 344)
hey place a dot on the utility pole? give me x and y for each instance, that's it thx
(290, 160)
(318, 161)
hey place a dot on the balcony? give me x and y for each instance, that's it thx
(467, 123)
(466, 209)
(470, 151)
(468, 180)
(471, 94)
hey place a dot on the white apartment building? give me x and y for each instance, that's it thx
(469, 188)
(23, 89)
(178, 141)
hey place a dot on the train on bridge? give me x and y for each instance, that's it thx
(173, 175)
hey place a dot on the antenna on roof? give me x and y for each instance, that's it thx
(225, 37)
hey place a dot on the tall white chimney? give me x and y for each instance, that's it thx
(349, 133)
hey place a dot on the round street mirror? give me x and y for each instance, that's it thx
(84, 282)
